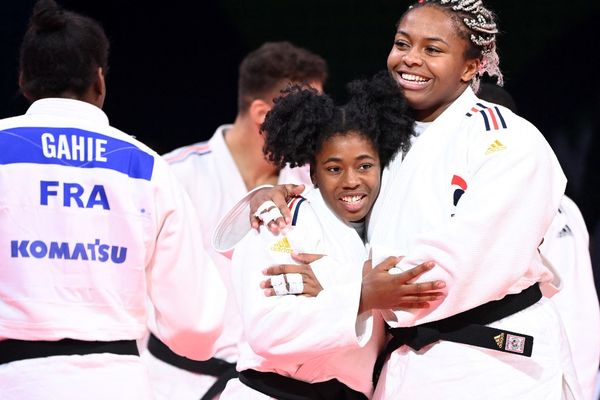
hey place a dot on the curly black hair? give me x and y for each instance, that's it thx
(302, 119)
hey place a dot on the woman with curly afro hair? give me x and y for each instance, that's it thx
(298, 345)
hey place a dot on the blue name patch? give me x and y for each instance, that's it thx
(75, 148)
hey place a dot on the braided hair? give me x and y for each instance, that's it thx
(477, 25)
(302, 119)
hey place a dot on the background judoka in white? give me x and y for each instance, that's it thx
(83, 298)
(566, 246)
(213, 181)
(313, 339)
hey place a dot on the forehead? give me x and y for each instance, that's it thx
(428, 22)
(350, 144)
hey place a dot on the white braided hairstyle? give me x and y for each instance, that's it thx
(480, 23)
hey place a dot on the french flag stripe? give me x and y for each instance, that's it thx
(485, 119)
(492, 117)
(500, 117)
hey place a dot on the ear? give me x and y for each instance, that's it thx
(100, 87)
(471, 69)
(312, 176)
(22, 87)
(258, 110)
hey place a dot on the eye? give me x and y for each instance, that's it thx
(365, 167)
(333, 170)
(401, 44)
(432, 50)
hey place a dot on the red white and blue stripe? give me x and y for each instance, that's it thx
(294, 206)
(198, 149)
(492, 117)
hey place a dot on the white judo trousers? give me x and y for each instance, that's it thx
(566, 246)
(313, 339)
(475, 194)
(213, 181)
(94, 224)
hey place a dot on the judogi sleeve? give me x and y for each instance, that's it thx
(184, 286)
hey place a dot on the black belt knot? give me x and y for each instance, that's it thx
(468, 327)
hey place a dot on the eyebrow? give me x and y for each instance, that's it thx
(360, 157)
(430, 38)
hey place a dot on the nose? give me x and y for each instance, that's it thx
(351, 179)
(412, 57)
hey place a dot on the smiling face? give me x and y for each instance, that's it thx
(347, 171)
(428, 61)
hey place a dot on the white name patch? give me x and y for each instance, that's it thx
(73, 147)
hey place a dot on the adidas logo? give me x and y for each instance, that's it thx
(494, 147)
(499, 340)
(282, 246)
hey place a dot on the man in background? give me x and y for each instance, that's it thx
(216, 174)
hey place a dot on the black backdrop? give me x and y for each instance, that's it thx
(173, 65)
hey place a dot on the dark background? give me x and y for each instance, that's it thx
(173, 65)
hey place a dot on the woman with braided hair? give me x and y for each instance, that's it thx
(491, 185)
(475, 193)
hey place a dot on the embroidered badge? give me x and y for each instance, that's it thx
(282, 246)
(460, 186)
(515, 344)
(499, 340)
(494, 147)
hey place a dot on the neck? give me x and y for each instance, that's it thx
(245, 144)
(432, 114)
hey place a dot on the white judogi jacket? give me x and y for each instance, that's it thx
(475, 194)
(92, 222)
(313, 339)
(566, 246)
(211, 177)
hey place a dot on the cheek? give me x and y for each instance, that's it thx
(393, 59)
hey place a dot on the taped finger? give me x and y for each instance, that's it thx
(266, 206)
(281, 290)
(277, 280)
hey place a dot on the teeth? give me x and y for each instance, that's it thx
(351, 199)
(414, 78)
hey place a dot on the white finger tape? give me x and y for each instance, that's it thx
(266, 206)
(277, 280)
(293, 277)
(296, 287)
(280, 290)
(270, 215)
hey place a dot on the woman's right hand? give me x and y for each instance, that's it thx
(279, 195)
(382, 290)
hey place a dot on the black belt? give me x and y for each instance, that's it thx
(285, 388)
(469, 327)
(223, 370)
(14, 350)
